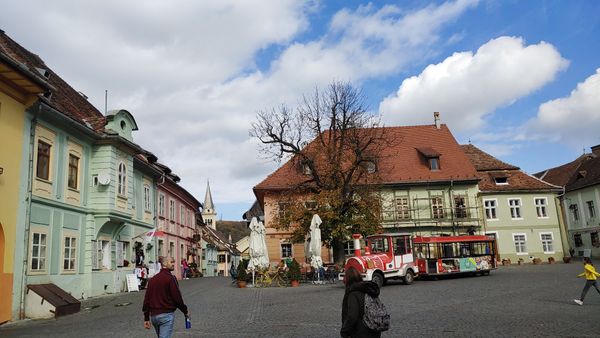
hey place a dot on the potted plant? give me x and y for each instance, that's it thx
(566, 259)
(241, 275)
(294, 274)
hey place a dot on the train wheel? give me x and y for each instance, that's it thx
(409, 278)
(377, 279)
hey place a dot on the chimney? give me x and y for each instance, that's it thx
(436, 119)
(596, 150)
(356, 238)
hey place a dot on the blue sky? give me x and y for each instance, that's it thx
(517, 78)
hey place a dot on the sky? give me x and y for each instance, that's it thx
(518, 79)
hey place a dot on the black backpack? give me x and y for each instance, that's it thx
(376, 316)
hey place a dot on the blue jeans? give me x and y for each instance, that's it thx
(163, 324)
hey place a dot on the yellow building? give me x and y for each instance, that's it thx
(19, 88)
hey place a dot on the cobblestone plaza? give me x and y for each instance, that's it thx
(514, 301)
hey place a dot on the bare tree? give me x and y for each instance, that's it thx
(335, 144)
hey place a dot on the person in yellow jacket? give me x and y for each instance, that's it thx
(590, 275)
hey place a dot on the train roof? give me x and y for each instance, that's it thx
(450, 239)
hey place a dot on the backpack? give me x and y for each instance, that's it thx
(376, 316)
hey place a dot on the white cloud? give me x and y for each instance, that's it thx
(574, 119)
(188, 71)
(465, 87)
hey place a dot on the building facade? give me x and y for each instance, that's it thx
(19, 89)
(521, 211)
(426, 183)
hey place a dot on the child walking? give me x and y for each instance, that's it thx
(590, 275)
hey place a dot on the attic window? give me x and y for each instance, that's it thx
(434, 163)
(123, 125)
(306, 169)
(432, 156)
(581, 174)
(501, 180)
(371, 167)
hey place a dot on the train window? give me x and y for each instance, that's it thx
(379, 245)
(400, 247)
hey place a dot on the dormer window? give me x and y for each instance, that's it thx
(306, 169)
(371, 167)
(500, 178)
(123, 125)
(432, 157)
(434, 163)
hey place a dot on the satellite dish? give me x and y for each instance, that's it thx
(103, 179)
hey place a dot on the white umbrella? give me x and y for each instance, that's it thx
(264, 259)
(257, 245)
(315, 243)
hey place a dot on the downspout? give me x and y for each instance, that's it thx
(28, 210)
(451, 202)
(561, 222)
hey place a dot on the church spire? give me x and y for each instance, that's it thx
(209, 206)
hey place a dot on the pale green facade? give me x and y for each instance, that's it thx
(584, 227)
(535, 233)
(450, 208)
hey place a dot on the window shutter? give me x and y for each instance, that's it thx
(120, 253)
(95, 255)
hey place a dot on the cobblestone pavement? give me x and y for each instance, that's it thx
(515, 301)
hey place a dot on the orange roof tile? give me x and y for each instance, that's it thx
(401, 162)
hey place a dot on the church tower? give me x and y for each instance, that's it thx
(209, 213)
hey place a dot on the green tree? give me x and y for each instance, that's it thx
(335, 143)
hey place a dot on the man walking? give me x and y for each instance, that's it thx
(162, 299)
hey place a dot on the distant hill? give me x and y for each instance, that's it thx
(238, 229)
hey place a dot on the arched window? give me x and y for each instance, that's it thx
(122, 188)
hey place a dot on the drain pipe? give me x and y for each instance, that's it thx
(28, 210)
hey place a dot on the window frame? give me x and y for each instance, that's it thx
(435, 208)
(402, 209)
(161, 204)
(48, 158)
(543, 206)
(282, 251)
(147, 199)
(73, 169)
(542, 234)
(523, 253)
(494, 208)
(172, 208)
(122, 179)
(591, 208)
(72, 250)
(432, 161)
(45, 257)
(574, 211)
(517, 207)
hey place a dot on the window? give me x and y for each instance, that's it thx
(221, 258)
(540, 207)
(209, 221)
(147, 197)
(460, 207)
(181, 214)
(101, 255)
(160, 247)
(172, 210)
(306, 169)
(122, 249)
(501, 180)
(171, 249)
(43, 161)
(490, 209)
(515, 208)
(161, 205)
(520, 243)
(371, 167)
(70, 251)
(591, 209)
(379, 245)
(349, 248)
(286, 250)
(434, 163)
(594, 239)
(437, 207)
(38, 252)
(401, 245)
(402, 209)
(577, 239)
(547, 244)
(73, 171)
(122, 179)
(181, 252)
(575, 210)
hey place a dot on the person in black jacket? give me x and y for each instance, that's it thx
(353, 305)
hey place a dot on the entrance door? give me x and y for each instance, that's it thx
(495, 237)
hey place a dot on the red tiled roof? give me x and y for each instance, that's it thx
(586, 175)
(401, 162)
(489, 168)
(484, 161)
(562, 174)
(64, 98)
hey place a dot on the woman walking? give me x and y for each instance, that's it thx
(353, 305)
(590, 275)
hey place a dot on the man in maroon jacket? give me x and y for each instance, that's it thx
(162, 299)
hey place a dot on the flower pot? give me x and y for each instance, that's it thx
(241, 284)
(537, 261)
(566, 259)
(551, 260)
(295, 283)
